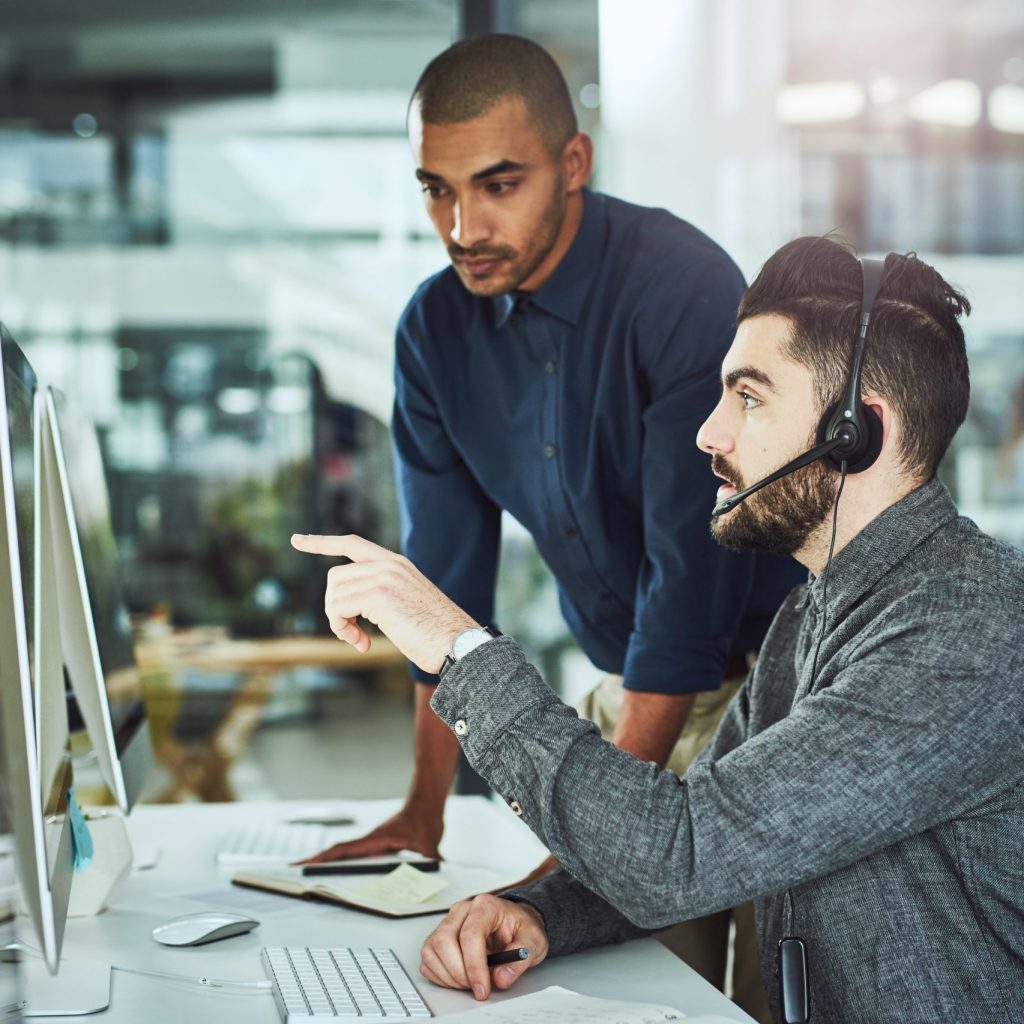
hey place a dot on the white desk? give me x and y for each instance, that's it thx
(477, 831)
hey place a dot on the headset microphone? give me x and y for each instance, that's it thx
(819, 451)
(849, 432)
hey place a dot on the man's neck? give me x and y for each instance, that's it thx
(860, 504)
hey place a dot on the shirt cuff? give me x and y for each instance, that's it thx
(675, 665)
(475, 699)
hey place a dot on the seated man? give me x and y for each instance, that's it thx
(866, 786)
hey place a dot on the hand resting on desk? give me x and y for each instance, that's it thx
(455, 953)
(406, 830)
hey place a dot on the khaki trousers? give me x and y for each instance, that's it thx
(703, 942)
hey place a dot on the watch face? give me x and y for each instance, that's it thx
(468, 640)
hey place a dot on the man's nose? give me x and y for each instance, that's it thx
(468, 224)
(714, 437)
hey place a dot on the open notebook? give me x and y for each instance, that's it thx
(405, 892)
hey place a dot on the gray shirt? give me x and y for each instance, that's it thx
(886, 793)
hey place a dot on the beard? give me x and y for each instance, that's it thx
(781, 518)
(518, 265)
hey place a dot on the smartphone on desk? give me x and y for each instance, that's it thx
(369, 866)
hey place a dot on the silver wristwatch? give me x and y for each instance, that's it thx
(466, 641)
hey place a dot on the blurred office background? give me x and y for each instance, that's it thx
(209, 226)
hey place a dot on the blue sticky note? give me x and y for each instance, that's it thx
(81, 840)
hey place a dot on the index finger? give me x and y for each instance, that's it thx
(347, 546)
(478, 927)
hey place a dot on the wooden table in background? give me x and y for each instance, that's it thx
(201, 770)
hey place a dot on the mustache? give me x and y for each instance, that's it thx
(721, 467)
(500, 252)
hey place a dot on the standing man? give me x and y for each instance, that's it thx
(554, 370)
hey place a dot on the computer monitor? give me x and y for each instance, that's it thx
(96, 638)
(33, 715)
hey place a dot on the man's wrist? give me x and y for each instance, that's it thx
(530, 909)
(464, 642)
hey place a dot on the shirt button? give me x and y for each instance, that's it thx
(461, 728)
(605, 595)
(516, 809)
(571, 532)
(549, 451)
(549, 367)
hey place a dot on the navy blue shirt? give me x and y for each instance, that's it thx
(576, 408)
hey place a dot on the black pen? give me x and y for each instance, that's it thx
(510, 956)
(341, 867)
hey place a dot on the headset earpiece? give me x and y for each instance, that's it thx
(849, 420)
(864, 430)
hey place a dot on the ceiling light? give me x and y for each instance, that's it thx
(1006, 108)
(819, 102)
(956, 102)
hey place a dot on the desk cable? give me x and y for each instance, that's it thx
(792, 965)
(242, 987)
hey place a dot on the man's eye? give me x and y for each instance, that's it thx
(433, 191)
(749, 401)
(498, 188)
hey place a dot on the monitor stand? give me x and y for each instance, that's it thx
(81, 986)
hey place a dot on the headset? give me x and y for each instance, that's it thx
(849, 431)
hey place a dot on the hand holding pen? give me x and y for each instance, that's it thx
(456, 954)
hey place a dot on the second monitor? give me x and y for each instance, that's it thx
(95, 629)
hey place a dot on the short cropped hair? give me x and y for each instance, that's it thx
(915, 356)
(472, 76)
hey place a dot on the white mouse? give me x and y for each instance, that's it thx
(206, 926)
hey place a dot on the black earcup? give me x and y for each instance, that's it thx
(867, 427)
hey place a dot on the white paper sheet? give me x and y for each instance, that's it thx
(557, 1005)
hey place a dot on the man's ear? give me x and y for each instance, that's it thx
(577, 161)
(884, 411)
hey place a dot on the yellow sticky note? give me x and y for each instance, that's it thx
(403, 886)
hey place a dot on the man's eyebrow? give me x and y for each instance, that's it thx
(501, 167)
(733, 377)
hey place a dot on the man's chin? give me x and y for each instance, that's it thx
(746, 533)
(486, 284)
(724, 534)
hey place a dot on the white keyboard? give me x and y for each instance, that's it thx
(271, 843)
(341, 983)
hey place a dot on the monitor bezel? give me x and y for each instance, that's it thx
(125, 755)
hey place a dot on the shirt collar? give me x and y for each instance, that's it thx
(565, 291)
(882, 545)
